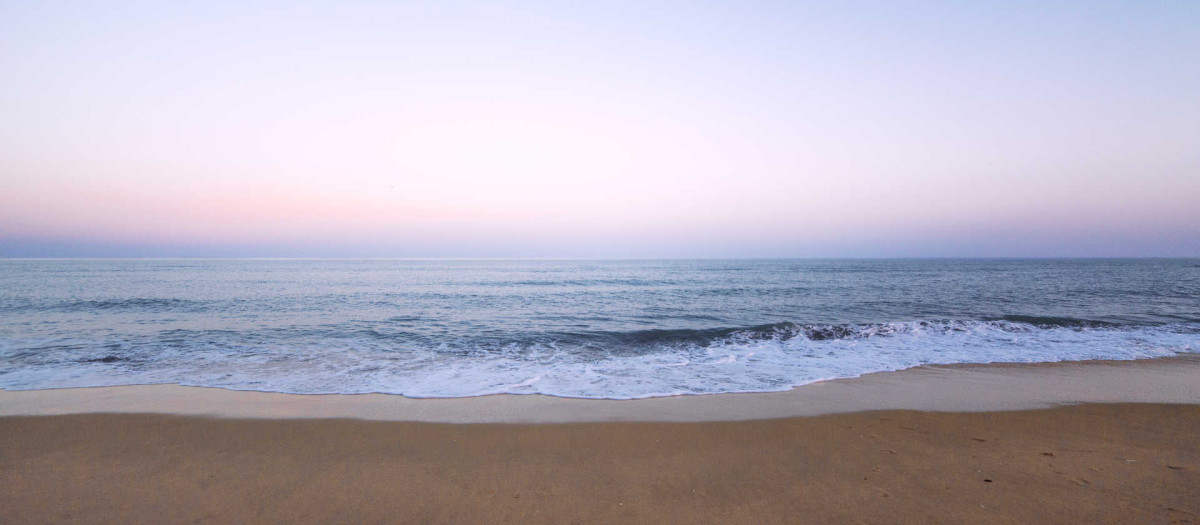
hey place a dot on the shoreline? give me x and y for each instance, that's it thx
(986, 387)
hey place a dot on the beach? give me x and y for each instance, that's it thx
(1008, 462)
(1101, 463)
(611, 263)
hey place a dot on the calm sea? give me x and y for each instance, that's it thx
(595, 329)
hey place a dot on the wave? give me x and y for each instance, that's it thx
(822, 332)
(614, 365)
(1053, 322)
(148, 304)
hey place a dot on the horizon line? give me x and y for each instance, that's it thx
(918, 257)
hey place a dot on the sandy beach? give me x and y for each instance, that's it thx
(1006, 460)
(1097, 463)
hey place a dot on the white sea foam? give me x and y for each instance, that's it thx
(740, 361)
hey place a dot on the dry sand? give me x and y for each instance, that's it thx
(1132, 463)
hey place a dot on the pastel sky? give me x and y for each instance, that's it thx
(640, 129)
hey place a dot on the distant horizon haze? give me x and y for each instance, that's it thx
(622, 130)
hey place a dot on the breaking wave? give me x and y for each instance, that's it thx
(613, 365)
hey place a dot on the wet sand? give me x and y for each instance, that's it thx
(1132, 463)
(954, 388)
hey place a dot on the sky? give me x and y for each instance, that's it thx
(640, 129)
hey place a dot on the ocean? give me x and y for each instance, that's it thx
(618, 329)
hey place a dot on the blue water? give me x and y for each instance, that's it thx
(594, 329)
